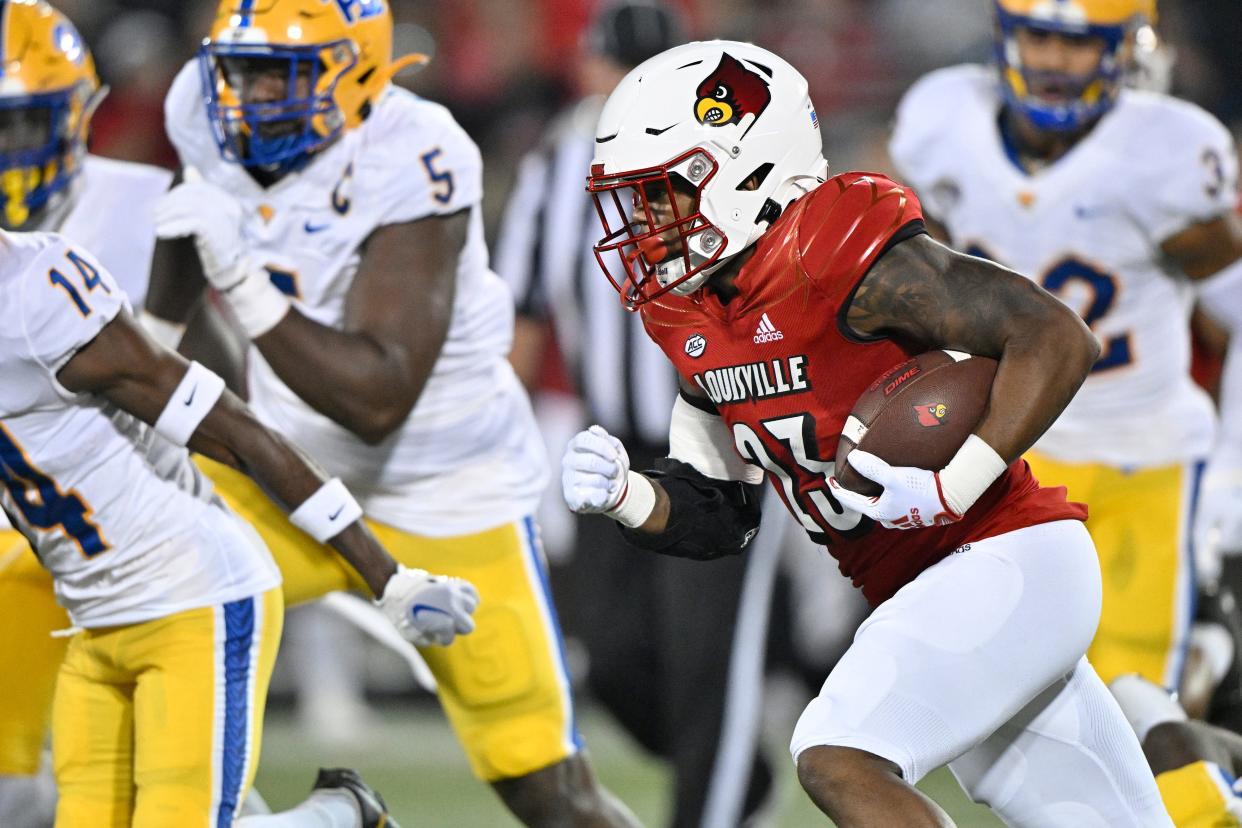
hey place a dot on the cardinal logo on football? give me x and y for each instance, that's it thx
(931, 415)
(731, 93)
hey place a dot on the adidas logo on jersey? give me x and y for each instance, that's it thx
(767, 332)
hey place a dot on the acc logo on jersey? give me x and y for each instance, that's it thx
(730, 93)
(931, 415)
(695, 346)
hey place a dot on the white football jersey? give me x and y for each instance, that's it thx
(111, 214)
(468, 457)
(121, 239)
(127, 526)
(1089, 228)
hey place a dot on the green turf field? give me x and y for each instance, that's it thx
(414, 761)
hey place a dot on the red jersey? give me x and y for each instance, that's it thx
(784, 373)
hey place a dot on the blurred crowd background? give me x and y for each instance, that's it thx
(504, 66)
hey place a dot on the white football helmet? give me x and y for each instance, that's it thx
(730, 121)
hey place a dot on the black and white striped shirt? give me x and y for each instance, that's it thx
(544, 254)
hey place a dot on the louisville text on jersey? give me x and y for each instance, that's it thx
(755, 380)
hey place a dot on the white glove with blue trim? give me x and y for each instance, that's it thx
(428, 609)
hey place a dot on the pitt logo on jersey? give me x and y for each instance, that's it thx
(755, 380)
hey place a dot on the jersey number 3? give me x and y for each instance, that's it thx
(41, 502)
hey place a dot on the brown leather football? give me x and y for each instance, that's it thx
(916, 414)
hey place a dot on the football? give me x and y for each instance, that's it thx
(916, 414)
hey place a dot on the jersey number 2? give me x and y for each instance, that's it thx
(1103, 289)
(42, 503)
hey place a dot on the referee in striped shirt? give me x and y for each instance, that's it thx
(676, 647)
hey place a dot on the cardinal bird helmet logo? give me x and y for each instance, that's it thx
(730, 93)
(931, 415)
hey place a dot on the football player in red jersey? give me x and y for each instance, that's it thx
(780, 294)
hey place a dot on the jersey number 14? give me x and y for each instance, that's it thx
(41, 502)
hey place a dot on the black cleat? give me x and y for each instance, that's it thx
(371, 805)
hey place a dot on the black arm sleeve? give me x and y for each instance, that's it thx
(707, 518)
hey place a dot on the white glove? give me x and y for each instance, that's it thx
(594, 471)
(211, 215)
(912, 497)
(428, 609)
(1218, 518)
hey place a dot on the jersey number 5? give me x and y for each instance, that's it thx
(442, 179)
(41, 502)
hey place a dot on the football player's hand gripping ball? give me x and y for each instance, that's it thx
(594, 471)
(429, 609)
(912, 497)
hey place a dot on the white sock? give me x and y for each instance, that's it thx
(1145, 704)
(322, 809)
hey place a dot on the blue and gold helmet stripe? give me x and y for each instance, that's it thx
(247, 13)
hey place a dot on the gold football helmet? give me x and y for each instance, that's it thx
(284, 78)
(48, 93)
(1115, 22)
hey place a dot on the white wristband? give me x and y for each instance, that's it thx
(258, 304)
(195, 396)
(637, 502)
(162, 331)
(972, 470)
(327, 512)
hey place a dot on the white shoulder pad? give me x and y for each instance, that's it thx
(1185, 163)
(65, 298)
(417, 161)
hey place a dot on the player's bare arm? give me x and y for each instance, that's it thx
(1203, 250)
(923, 294)
(368, 375)
(177, 282)
(124, 366)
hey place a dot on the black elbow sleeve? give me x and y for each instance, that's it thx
(707, 518)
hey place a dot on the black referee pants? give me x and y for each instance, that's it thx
(660, 632)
